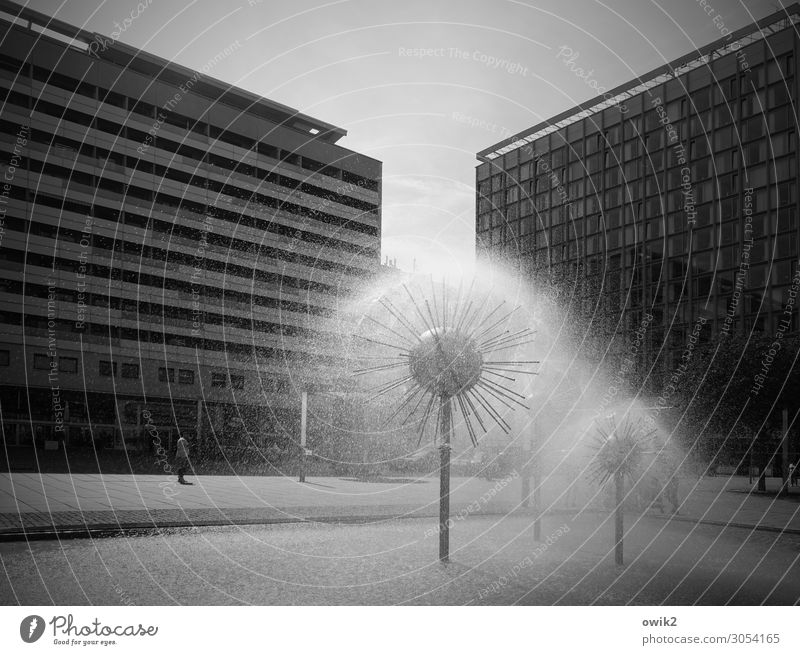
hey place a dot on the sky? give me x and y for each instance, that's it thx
(421, 85)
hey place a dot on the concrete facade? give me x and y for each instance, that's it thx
(173, 248)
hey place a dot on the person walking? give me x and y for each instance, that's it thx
(672, 492)
(182, 459)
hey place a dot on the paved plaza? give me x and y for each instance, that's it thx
(346, 541)
(35, 505)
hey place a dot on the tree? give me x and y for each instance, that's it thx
(737, 387)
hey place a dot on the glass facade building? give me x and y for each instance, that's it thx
(674, 195)
(173, 249)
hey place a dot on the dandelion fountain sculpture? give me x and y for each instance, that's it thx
(446, 352)
(619, 450)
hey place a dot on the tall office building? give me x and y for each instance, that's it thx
(173, 248)
(669, 204)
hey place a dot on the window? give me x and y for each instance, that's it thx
(68, 364)
(4, 358)
(782, 273)
(727, 257)
(130, 371)
(42, 362)
(698, 148)
(753, 128)
(757, 276)
(777, 95)
(729, 233)
(108, 369)
(779, 119)
(166, 374)
(723, 138)
(115, 99)
(786, 246)
(702, 286)
(237, 381)
(185, 376)
(760, 251)
(219, 380)
(787, 193)
(782, 144)
(676, 245)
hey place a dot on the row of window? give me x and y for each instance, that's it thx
(762, 253)
(706, 213)
(192, 212)
(780, 224)
(102, 333)
(95, 156)
(585, 177)
(135, 105)
(105, 185)
(157, 313)
(761, 250)
(723, 191)
(651, 224)
(130, 370)
(142, 255)
(757, 89)
(680, 306)
(106, 273)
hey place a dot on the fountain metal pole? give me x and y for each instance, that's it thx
(444, 480)
(537, 474)
(527, 453)
(619, 487)
(537, 505)
(526, 480)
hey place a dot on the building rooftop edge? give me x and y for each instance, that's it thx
(53, 27)
(637, 85)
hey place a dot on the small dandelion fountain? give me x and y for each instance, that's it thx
(619, 450)
(445, 350)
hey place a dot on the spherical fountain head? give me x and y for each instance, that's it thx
(446, 362)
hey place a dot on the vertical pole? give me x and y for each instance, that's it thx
(537, 476)
(785, 451)
(619, 484)
(526, 485)
(444, 482)
(148, 446)
(527, 453)
(303, 412)
(199, 427)
(537, 506)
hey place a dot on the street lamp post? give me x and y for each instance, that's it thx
(303, 423)
(785, 452)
